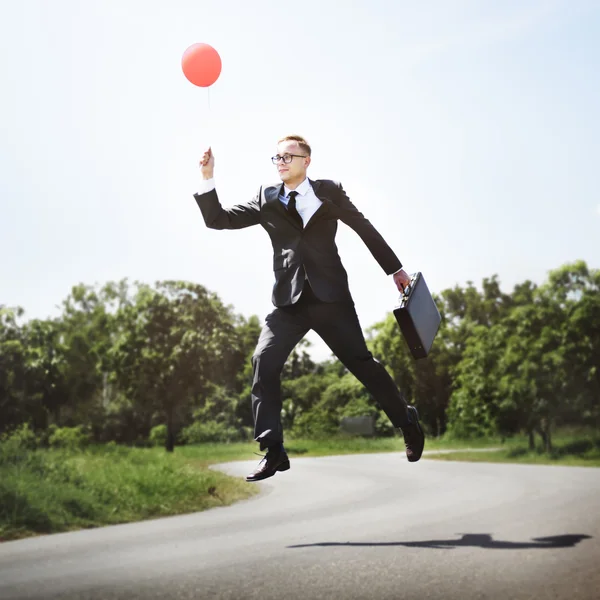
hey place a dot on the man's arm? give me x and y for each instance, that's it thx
(378, 247)
(236, 217)
(215, 216)
(380, 250)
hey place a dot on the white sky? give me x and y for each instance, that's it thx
(466, 131)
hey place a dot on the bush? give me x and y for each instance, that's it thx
(158, 435)
(19, 511)
(343, 397)
(70, 438)
(318, 422)
(16, 445)
(210, 431)
(22, 437)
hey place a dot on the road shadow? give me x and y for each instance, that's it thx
(480, 540)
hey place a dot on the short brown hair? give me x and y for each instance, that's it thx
(297, 138)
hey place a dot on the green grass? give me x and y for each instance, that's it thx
(48, 491)
(206, 454)
(569, 449)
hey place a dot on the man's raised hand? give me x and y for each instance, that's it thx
(207, 164)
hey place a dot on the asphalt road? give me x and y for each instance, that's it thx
(351, 527)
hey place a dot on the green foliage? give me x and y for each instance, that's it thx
(139, 364)
(426, 384)
(211, 431)
(175, 341)
(319, 405)
(472, 411)
(56, 490)
(18, 441)
(70, 438)
(580, 449)
(158, 435)
(534, 367)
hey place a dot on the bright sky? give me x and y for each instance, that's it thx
(466, 131)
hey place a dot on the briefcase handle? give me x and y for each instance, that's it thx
(409, 288)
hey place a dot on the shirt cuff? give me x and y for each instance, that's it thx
(398, 271)
(206, 185)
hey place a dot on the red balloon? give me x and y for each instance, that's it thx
(201, 64)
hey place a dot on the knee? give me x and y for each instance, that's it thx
(365, 360)
(365, 365)
(264, 364)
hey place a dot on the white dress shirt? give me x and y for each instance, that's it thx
(307, 202)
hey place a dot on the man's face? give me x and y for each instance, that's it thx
(295, 170)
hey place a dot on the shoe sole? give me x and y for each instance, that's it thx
(416, 413)
(284, 466)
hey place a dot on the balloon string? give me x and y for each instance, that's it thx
(208, 120)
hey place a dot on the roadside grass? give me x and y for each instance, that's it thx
(48, 491)
(203, 455)
(569, 449)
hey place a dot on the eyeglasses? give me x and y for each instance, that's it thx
(286, 158)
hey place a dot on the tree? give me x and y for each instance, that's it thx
(15, 407)
(174, 341)
(473, 407)
(537, 366)
(425, 383)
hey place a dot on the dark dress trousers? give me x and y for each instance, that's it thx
(310, 292)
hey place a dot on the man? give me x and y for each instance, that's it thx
(310, 291)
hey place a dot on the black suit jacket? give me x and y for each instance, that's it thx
(298, 249)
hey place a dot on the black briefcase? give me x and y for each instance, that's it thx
(418, 316)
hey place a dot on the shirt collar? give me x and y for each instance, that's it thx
(302, 189)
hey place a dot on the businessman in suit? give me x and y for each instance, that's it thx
(310, 291)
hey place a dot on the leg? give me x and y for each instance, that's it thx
(283, 329)
(337, 324)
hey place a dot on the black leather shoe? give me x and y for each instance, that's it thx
(414, 438)
(276, 459)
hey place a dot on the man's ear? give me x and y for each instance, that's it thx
(307, 161)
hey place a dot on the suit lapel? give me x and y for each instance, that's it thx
(316, 185)
(323, 209)
(272, 194)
